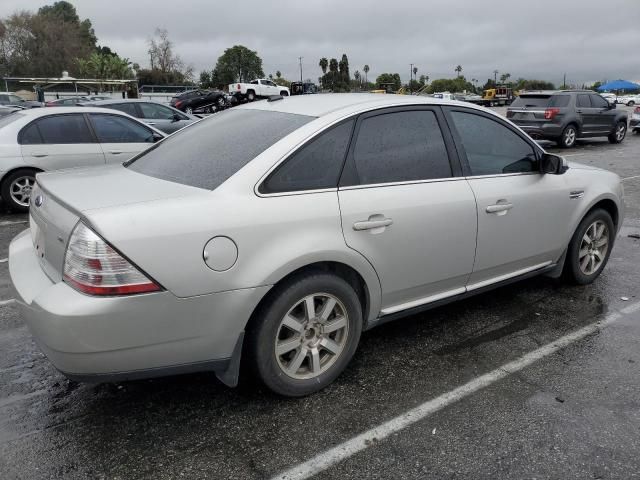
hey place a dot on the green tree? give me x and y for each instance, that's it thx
(458, 70)
(108, 66)
(389, 78)
(238, 64)
(324, 63)
(365, 69)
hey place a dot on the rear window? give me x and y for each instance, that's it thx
(208, 152)
(541, 101)
(10, 118)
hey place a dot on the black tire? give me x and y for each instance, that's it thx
(568, 137)
(265, 328)
(619, 132)
(572, 272)
(251, 95)
(630, 103)
(284, 94)
(5, 188)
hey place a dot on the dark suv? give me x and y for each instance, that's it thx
(567, 115)
(207, 101)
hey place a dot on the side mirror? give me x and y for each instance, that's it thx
(176, 117)
(157, 137)
(612, 106)
(553, 164)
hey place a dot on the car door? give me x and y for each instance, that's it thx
(604, 115)
(522, 214)
(120, 137)
(406, 208)
(163, 118)
(60, 141)
(589, 115)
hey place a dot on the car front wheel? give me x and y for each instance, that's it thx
(16, 189)
(590, 248)
(619, 133)
(305, 336)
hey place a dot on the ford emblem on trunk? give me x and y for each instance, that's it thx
(39, 201)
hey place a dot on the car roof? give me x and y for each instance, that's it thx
(43, 112)
(323, 104)
(113, 101)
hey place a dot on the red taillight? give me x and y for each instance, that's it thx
(178, 103)
(92, 266)
(636, 110)
(239, 87)
(549, 113)
(49, 104)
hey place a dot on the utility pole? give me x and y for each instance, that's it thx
(410, 76)
(300, 58)
(564, 81)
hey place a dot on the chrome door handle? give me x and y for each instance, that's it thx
(371, 224)
(40, 155)
(115, 152)
(499, 207)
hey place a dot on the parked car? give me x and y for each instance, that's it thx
(38, 140)
(163, 118)
(66, 102)
(12, 100)
(629, 100)
(609, 97)
(205, 101)
(279, 250)
(634, 123)
(259, 88)
(567, 115)
(8, 110)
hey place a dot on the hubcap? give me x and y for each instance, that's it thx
(593, 247)
(569, 137)
(21, 190)
(620, 131)
(311, 336)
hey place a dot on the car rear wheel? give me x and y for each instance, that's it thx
(16, 189)
(568, 137)
(251, 96)
(619, 133)
(590, 248)
(305, 336)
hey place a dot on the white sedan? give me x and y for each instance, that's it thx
(629, 100)
(38, 140)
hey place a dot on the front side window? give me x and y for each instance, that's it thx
(205, 155)
(314, 166)
(491, 147)
(598, 102)
(156, 112)
(117, 129)
(62, 129)
(400, 147)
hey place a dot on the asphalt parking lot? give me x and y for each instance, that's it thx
(536, 380)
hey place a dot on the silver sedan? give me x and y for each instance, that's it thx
(274, 233)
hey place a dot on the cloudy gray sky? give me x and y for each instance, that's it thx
(588, 40)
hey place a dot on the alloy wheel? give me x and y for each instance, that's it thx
(311, 336)
(593, 247)
(569, 136)
(621, 130)
(20, 190)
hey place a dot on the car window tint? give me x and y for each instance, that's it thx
(583, 101)
(559, 101)
(400, 146)
(316, 165)
(117, 129)
(598, 102)
(531, 101)
(30, 135)
(156, 112)
(15, 99)
(205, 155)
(61, 129)
(4, 98)
(493, 148)
(128, 108)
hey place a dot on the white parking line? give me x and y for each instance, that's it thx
(631, 178)
(12, 222)
(350, 447)
(4, 260)
(7, 302)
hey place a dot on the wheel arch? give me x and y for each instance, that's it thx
(20, 167)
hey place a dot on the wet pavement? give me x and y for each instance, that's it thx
(573, 414)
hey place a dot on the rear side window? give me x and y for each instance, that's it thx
(583, 101)
(31, 135)
(491, 147)
(118, 129)
(209, 152)
(316, 165)
(62, 129)
(128, 108)
(399, 147)
(559, 101)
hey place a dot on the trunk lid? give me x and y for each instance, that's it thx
(61, 199)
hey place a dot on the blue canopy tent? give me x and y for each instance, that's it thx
(619, 85)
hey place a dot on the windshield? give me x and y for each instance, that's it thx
(541, 101)
(10, 118)
(208, 152)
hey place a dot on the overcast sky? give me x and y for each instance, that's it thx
(587, 40)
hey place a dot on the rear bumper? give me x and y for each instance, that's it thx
(634, 123)
(121, 338)
(544, 130)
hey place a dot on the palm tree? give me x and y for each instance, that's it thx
(415, 71)
(495, 76)
(366, 71)
(356, 76)
(458, 69)
(333, 70)
(324, 63)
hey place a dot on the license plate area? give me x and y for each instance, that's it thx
(38, 237)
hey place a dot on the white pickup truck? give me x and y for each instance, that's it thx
(261, 87)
